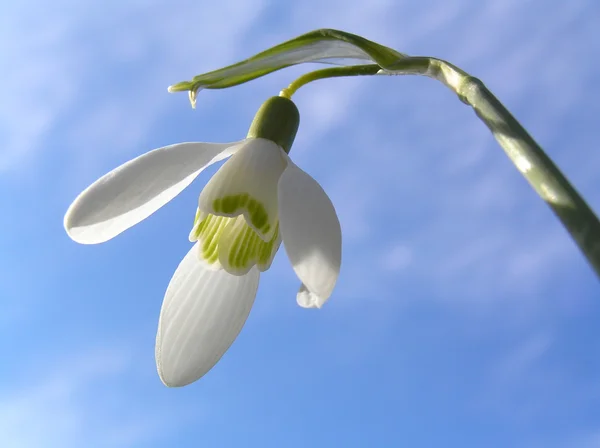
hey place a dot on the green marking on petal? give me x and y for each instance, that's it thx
(249, 251)
(217, 206)
(230, 204)
(209, 231)
(197, 216)
(241, 248)
(236, 253)
(259, 217)
(266, 250)
(233, 204)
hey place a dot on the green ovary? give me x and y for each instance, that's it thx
(234, 203)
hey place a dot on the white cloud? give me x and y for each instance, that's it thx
(532, 381)
(79, 401)
(589, 440)
(62, 65)
(519, 361)
(397, 258)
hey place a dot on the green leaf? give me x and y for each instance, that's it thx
(325, 45)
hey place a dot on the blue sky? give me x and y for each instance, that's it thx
(464, 315)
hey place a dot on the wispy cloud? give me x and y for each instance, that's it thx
(60, 70)
(434, 215)
(79, 401)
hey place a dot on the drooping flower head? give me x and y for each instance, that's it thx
(256, 200)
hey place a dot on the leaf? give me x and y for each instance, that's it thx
(325, 45)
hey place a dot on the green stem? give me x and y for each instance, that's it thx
(529, 158)
(332, 72)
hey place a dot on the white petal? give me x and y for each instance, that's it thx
(307, 299)
(201, 315)
(136, 189)
(311, 235)
(208, 230)
(247, 184)
(240, 247)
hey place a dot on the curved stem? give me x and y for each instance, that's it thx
(529, 158)
(332, 72)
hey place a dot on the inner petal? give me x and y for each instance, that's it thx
(208, 230)
(240, 247)
(247, 184)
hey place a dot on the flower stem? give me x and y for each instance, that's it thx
(529, 158)
(333, 72)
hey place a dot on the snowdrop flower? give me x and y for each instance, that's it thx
(257, 199)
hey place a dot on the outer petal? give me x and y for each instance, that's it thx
(247, 183)
(202, 314)
(311, 235)
(136, 189)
